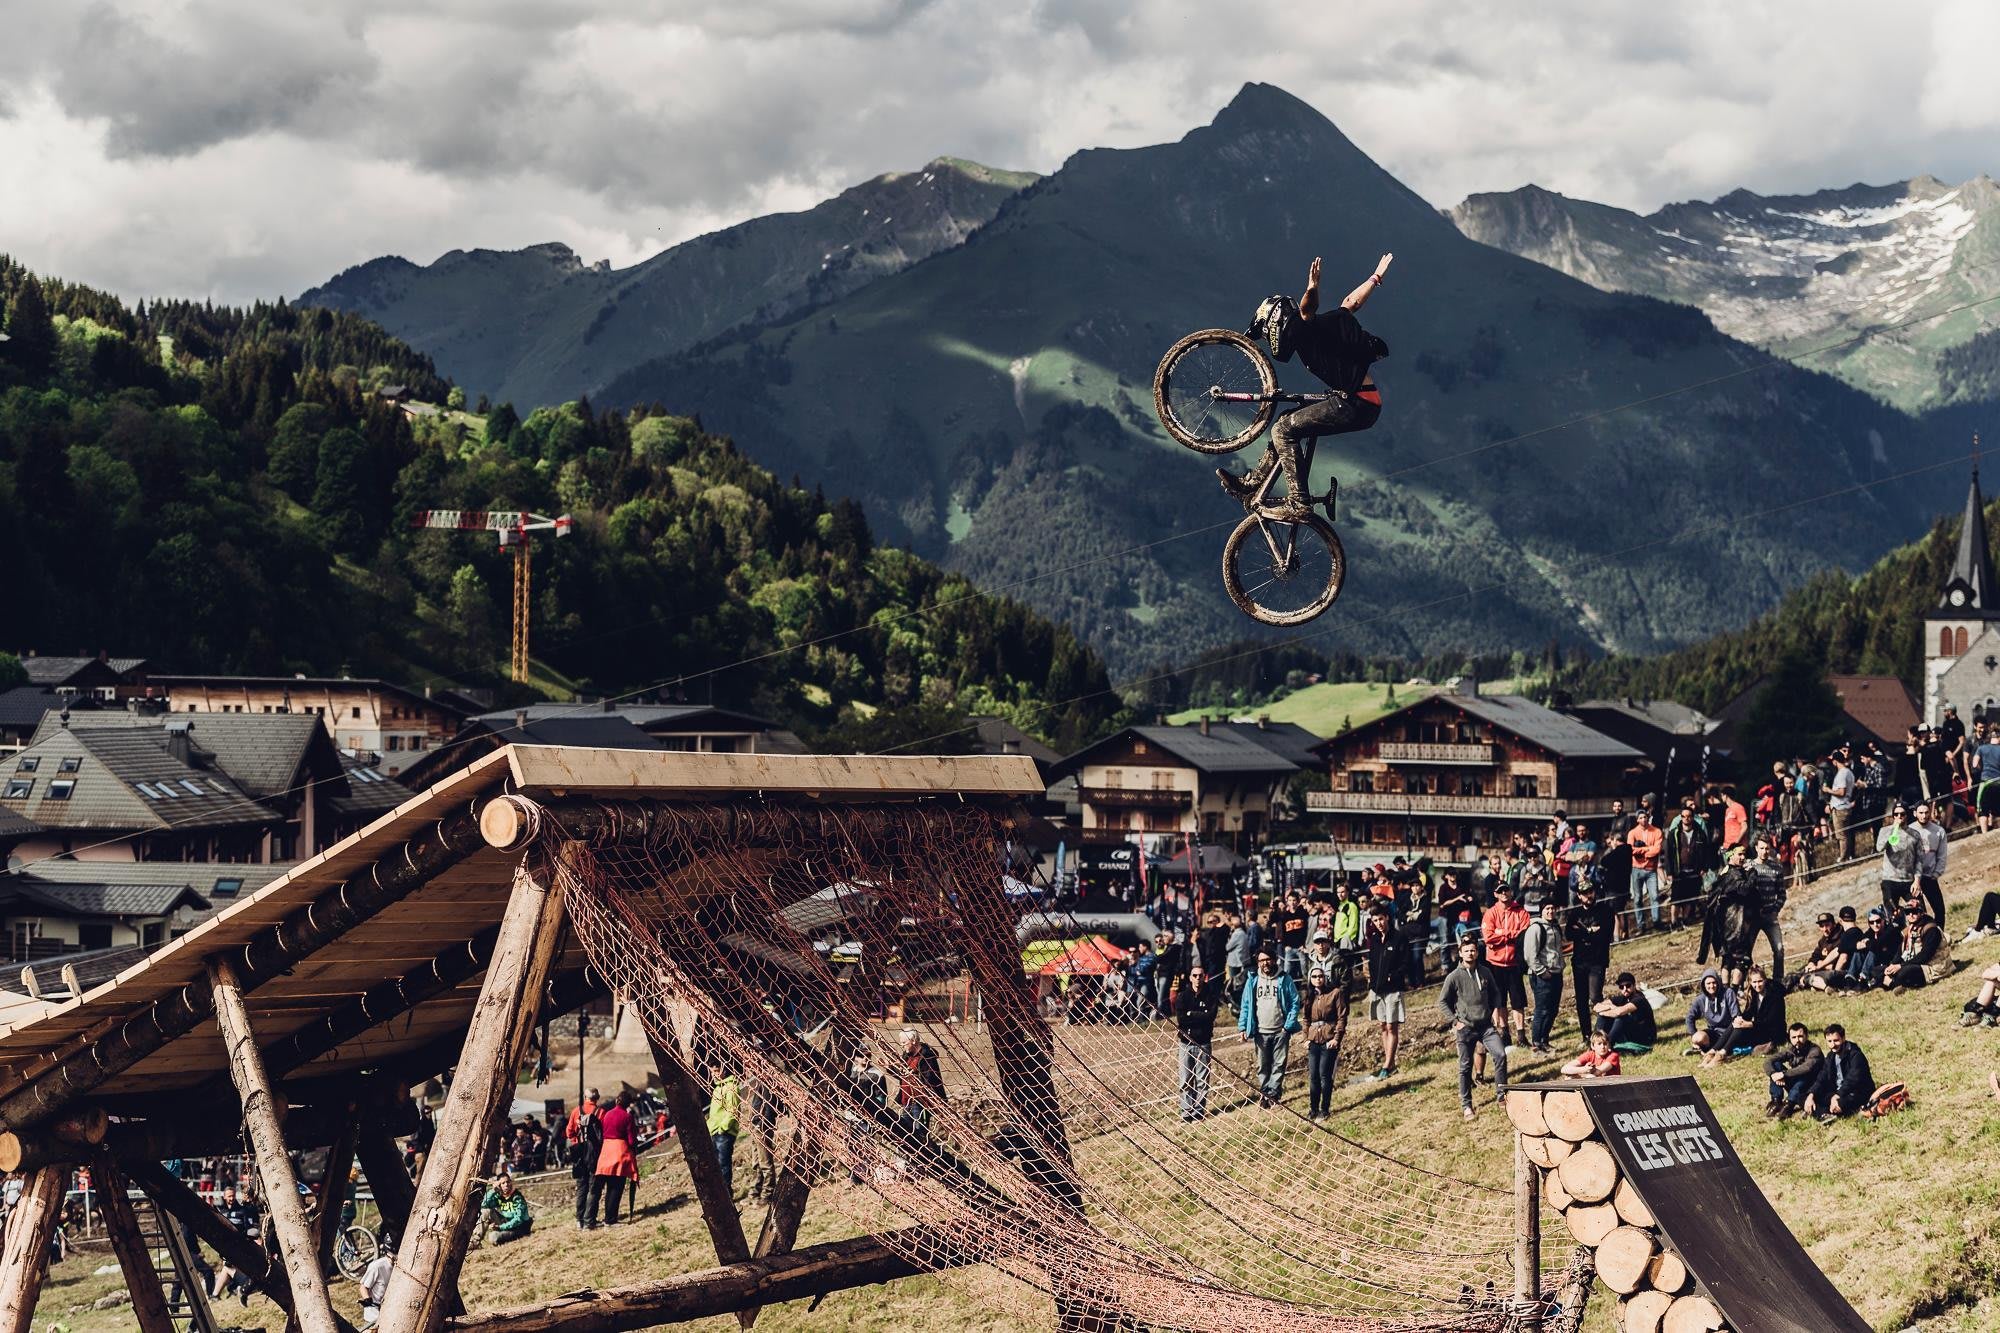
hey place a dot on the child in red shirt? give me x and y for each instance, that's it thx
(1600, 1061)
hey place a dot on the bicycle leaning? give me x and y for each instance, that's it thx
(1216, 392)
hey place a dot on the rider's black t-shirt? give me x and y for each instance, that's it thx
(1334, 346)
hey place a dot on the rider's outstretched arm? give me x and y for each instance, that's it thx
(1359, 296)
(1309, 302)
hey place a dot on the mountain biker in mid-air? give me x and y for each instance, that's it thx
(1339, 351)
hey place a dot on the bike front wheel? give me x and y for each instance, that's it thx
(1213, 391)
(354, 1251)
(1283, 572)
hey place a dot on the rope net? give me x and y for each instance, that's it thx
(1047, 1151)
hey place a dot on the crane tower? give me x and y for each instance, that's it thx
(513, 527)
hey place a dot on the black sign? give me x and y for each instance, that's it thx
(1670, 1147)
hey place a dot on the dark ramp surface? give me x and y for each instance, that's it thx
(1742, 1254)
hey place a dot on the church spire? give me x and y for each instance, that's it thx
(1972, 589)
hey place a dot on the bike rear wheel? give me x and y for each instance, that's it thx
(1283, 572)
(1192, 375)
(354, 1251)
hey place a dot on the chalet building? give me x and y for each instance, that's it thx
(103, 678)
(59, 908)
(1876, 707)
(1210, 780)
(1962, 635)
(363, 716)
(1458, 772)
(605, 726)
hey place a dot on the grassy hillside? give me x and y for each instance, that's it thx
(226, 491)
(993, 404)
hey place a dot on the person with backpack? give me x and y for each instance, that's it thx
(583, 1138)
(1542, 957)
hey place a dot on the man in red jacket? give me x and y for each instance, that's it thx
(1501, 928)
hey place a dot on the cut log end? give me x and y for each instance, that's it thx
(1630, 1206)
(506, 822)
(1590, 1223)
(1553, 1191)
(1525, 1110)
(1589, 1173)
(1667, 1273)
(1692, 1314)
(1623, 1258)
(1568, 1116)
(1643, 1312)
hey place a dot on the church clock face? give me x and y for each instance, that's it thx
(1958, 597)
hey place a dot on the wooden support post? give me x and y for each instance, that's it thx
(173, 1198)
(311, 1305)
(1527, 1239)
(149, 1303)
(382, 1164)
(428, 1260)
(689, 1110)
(24, 1262)
(333, 1188)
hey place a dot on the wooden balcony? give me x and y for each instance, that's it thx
(1432, 752)
(1419, 805)
(1152, 798)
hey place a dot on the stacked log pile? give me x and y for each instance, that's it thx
(1580, 1180)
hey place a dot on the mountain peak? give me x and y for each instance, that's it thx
(1264, 105)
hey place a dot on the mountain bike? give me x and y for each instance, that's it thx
(1215, 392)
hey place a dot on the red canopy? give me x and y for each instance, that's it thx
(1087, 958)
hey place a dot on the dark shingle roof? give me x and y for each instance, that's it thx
(647, 717)
(1544, 726)
(369, 792)
(93, 968)
(14, 827)
(58, 670)
(99, 899)
(1220, 751)
(24, 705)
(1287, 740)
(126, 781)
(605, 731)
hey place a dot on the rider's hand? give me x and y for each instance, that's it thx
(1381, 265)
(1312, 273)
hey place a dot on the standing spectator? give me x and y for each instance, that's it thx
(1389, 973)
(1621, 823)
(1211, 945)
(1874, 950)
(1689, 855)
(1793, 1072)
(1951, 735)
(1470, 998)
(1901, 852)
(922, 1084)
(1454, 910)
(1711, 1018)
(1239, 941)
(1139, 979)
(1933, 845)
(505, 1210)
(1324, 1007)
(1346, 918)
(1768, 877)
(1542, 956)
(725, 1109)
(1985, 767)
(1845, 1082)
(1934, 769)
(1501, 930)
(617, 1158)
(1597, 1061)
(1268, 1017)
(1582, 857)
(1648, 844)
(1194, 1018)
(583, 1136)
(1626, 1016)
(1589, 929)
(1167, 967)
(1922, 938)
(1322, 955)
(1292, 933)
(243, 1217)
(1614, 883)
(1840, 804)
(374, 1282)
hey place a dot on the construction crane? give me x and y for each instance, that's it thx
(513, 527)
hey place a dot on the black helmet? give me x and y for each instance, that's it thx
(1274, 325)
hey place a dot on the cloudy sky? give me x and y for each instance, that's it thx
(240, 148)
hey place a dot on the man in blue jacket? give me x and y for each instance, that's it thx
(1845, 1084)
(1268, 1016)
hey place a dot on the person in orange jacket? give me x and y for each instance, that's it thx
(1501, 929)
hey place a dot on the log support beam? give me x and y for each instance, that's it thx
(24, 1262)
(312, 1307)
(689, 1110)
(149, 1303)
(730, 1289)
(333, 1188)
(432, 1251)
(382, 1164)
(171, 1196)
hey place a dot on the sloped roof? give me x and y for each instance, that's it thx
(1879, 705)
(58, 670)
(369, 791)
(98, 899)
(112, 762)
(211, 879)
(1972, 566)
(264, 754)
(92, 967)
(1220, 751)
(1287, 740)
(1544, 726)
(14, 827)
(1664, 714)
(25, 705)
(647, 717)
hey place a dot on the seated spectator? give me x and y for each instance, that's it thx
(1826, 965)
(1794, 1072)
(1599, 1061)
(506, 1211)
(1981, 1008)
(1874, 950)
(1922, 938)
(1845, 1083)
(1711, 1018)
(1988, 922)
(1760, 1019)
(1626, 1016)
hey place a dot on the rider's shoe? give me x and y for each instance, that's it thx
(1289, 510)
(1232, 484)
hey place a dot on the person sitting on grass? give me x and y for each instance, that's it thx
(1982, 1008)
(1793, 1072)
(1988, 920)
(1877, 947)
(1921, 941)
(1845, 1083)
(1597, 1061)
(506, 1211)
(1711, 1019)
(1626, 1016)
(1760, 1019)
(1827, 962)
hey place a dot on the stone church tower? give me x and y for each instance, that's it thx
(1962, 635)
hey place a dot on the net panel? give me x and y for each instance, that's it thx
(1045, 1150)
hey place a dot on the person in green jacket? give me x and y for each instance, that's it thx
(506, 1210)
(725, 1106)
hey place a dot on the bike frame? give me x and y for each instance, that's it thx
(1218, 396)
